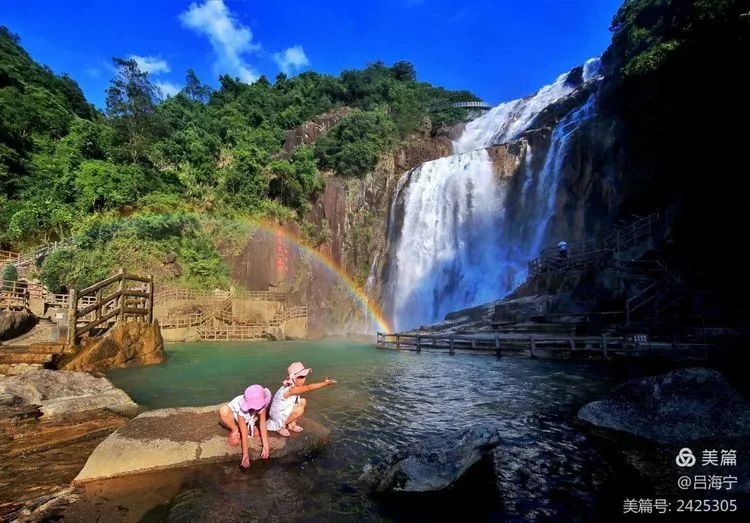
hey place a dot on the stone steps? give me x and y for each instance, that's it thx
(24, 357)
(15, 359)
(36, 348)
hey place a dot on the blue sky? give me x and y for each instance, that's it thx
(500, 49)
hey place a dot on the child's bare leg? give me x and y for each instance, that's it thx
(296, 413)
(227, 420)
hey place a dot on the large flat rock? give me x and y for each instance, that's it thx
(179, 437)
(60, 392)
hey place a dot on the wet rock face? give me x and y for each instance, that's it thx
(431, 465)
(676, 407)
(15, 323)
(127, 344)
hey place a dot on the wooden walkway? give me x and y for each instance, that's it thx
(537, 346)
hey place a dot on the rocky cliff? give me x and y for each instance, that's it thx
(346, 226)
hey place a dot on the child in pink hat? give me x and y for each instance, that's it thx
(242, 414)
(287, 407)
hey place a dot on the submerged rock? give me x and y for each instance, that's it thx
(676, 407)
(171, 438)
(431, 465)
(60, 392)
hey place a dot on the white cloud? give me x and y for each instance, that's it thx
(151, 64)
(291, 59)
(229, 38)
(168, 88)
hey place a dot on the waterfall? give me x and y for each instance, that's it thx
(456, 245)
(508, 120)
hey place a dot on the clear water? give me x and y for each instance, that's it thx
(545, 466)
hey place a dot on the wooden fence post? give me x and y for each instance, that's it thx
(72, 317)
(604, 346)
(452, 349)
(497, 345)
(98, 310)
(398, 342)
(419, 343)
(473, 343)
(121, 298)
(532, 347)
(150, 299)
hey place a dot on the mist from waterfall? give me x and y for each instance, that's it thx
(456, 246)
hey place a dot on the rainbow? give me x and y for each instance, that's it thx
(355, 290)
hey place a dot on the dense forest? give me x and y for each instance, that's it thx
(152, 175)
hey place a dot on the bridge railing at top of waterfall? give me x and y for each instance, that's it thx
(462, 105)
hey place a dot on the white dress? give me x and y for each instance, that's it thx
(281, 408)
(250, 416)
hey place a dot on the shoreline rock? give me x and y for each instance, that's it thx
(180, 437)
(676, 407)
(127, 344)
(431, 465)
(59, 392)
(15, 323)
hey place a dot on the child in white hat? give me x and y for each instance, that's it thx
(287, 407)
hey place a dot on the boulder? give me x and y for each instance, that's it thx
(15, 323)
(431, 465)
(179, 437)
(680, 406)
(64, 392)
(127, 344)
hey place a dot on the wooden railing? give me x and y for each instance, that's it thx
(573, 264)
(166, 295)
(9, 256)
(14, 295)
(231, 332)
(288, 314)
(617, 240)
(177, 321)
(497, 344)
(116, 299)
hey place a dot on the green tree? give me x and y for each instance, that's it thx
(245, 185)
(131, 106)
(353, 146)
(294, 182)
(102, 185)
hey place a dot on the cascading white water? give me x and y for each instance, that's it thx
(448, 255)
(509, 119)
(455, 248)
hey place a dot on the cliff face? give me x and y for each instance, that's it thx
(347, 226)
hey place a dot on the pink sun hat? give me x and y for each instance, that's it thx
(255, 398)
(295, 370)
